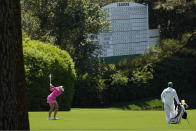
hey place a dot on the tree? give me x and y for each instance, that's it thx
(35, 14)
(13, 104)
(172, 12)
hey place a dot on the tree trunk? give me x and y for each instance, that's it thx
(13, 99)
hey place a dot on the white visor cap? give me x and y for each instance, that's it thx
(62, 88)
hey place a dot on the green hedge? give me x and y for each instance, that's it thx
(40, 60)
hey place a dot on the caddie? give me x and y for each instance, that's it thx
(167, 96)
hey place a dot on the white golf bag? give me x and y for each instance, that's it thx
(180, 113)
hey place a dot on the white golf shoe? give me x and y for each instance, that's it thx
(55, 118)
(50, 118)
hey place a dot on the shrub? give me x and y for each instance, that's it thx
(40, 60)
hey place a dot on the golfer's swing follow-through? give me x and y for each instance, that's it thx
(51, 99)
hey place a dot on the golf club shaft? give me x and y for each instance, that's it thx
(50, 78)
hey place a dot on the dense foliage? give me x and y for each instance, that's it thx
(67, 24)
(147, 75)
(40, 60)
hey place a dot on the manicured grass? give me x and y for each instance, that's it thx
(110, 120)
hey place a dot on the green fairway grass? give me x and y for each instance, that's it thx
(109, 119)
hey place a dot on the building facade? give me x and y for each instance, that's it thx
(128, 32)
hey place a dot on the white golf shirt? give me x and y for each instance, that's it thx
(168, 95)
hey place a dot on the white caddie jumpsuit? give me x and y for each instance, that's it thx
(167, 96)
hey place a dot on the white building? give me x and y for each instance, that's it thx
(129, 30)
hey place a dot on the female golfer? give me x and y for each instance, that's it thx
(51, 100)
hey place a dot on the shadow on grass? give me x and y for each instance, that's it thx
(143, 104)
